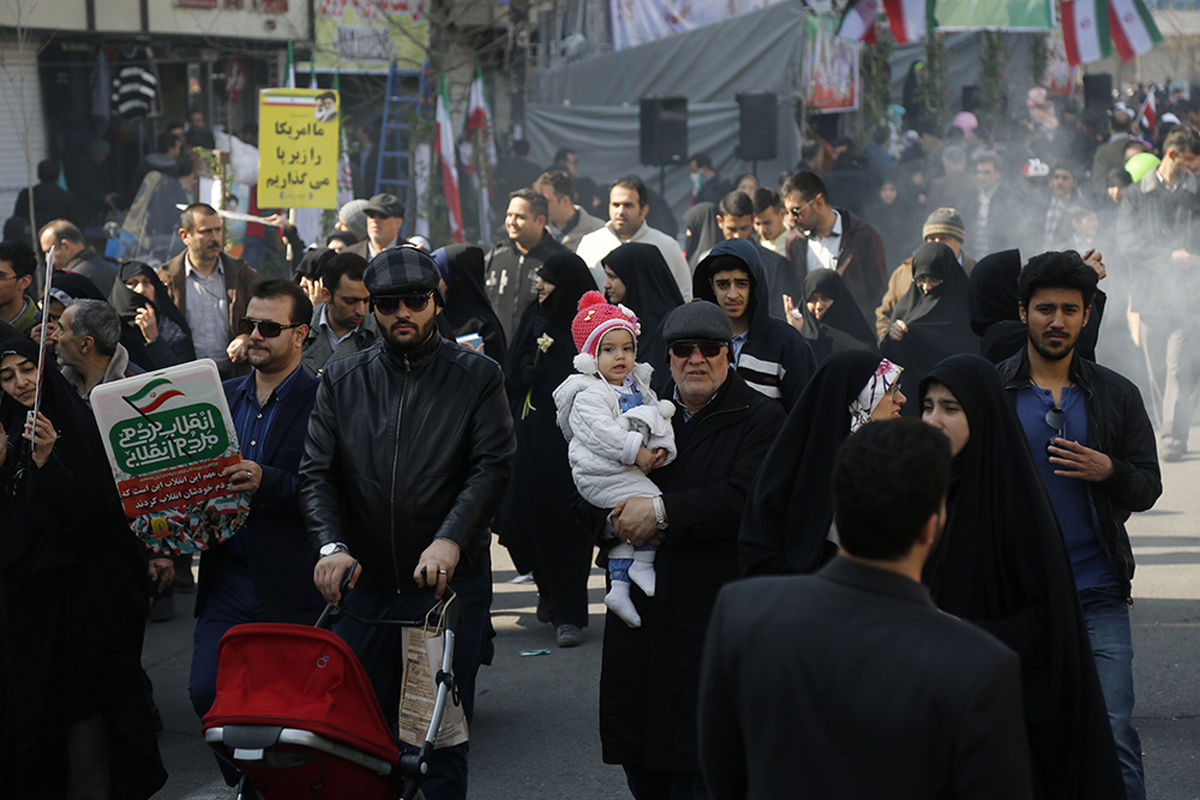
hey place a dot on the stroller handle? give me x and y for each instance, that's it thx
(334, 611)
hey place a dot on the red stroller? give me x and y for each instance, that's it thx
(296, 714)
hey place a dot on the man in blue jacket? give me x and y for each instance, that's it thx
(264, 572)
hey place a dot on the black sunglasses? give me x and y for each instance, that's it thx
(390, 303)
(1057, 420)
(267, 328)
(685, 349)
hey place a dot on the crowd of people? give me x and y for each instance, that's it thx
(693, 409)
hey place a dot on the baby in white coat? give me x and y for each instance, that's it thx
(617, 430)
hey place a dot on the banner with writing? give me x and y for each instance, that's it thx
(169, 435)
(1005, 15)
(297, 148)
(365, 35)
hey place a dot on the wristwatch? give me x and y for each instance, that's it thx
(333, 547)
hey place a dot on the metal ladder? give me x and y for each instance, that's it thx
(393, 169)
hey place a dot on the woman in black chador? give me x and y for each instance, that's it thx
(644, 284)
(537, 522)
(72, 603)
(1001, 564)
(829, 318)
(468, 309)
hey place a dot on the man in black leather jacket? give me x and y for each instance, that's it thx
(409, 450)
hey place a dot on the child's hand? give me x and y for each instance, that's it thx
(660, 457)
(645, 459)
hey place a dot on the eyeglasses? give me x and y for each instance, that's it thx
(1057, 420)
(685, 349)
(795, 212)
(266, 328)
(390, 303)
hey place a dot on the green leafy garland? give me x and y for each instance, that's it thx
(993, 56)
(1039, 58)
(931, 89)
(875, 83)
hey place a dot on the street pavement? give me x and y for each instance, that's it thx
(535, 731)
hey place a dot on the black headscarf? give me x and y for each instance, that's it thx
(939, 323)
(468, 309)
(701, 223)
(80, 287)
(127, 302)
(571, 278)
(993, 302)
(650, 291)
(789, 509)
(1001, 563)
(842, 327)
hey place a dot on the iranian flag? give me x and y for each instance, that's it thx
(1133, 30)
(1085, 30)
(1148, 114)
(444, 146)
(908, 19)
(858, 21)
(483, 147)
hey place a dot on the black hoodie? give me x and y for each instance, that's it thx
(775, 360)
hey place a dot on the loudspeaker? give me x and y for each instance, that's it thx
(758, 124)
(1097, 92)
(664, 135)
(970, 98)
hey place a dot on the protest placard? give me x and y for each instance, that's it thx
(297, 148)
(168, 436)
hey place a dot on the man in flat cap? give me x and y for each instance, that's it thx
(385, 218)
(650, 675)
(409, 450)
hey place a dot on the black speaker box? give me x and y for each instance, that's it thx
(664, 135)
(1097, 92)
(758, 124)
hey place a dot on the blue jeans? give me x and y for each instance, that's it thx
(1107, 618)
(380, 650)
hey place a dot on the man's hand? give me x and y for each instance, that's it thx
(1078, 461)
(35, 332)
(244, 476)
(161, 572)
(1095, 259)
(328, 574)
(147, 321)
(634, 521)
(238, 349)
(436, 565)
(793, 315)
(897, 330)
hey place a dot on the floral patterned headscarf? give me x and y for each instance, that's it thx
(879, 384)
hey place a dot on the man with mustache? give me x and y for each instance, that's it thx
(1092, 442)
(211, 288)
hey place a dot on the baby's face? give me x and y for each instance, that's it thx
(615, 355)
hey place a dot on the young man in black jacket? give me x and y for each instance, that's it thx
(1094, 447)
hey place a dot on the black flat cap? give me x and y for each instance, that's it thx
(698, 320)
(402, 270)
(385, 204)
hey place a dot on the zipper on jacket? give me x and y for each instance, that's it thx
(395, 460)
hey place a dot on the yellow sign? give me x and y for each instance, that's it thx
(365, 35)
(297, 148)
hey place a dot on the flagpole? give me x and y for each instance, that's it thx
(37, 395)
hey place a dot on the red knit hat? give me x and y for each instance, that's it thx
(597, 317)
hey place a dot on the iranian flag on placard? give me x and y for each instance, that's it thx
(444, 146)
(483, 152)
(1133, 30)
(1085, 30)
(858, 21)
(908, 19)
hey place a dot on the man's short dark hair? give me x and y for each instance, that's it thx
(165, 141)
(1119, 122)
(736, 204)
(1057, 270)
(1183, 138)
(351, 265)
(269, 289)
(632, 182)
(48, 170)
(20, 257)
(888, 478)
(99, 320)
(538, 204)
(187, 217)
(560, 157)
(808, 184)
(520, 148)
(703, 160)
(1118, 176)
(558, 181)
(989, 157)
(765, 197)
(1065, 165)
(62, 229)
(810, 150)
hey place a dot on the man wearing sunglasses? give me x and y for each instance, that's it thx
(723, 429)
(385, 218)
(824, 236)
(409, 451)
(770, 355)
(1092, 442)
(264, 573)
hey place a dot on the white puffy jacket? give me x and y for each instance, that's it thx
(602, 442)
